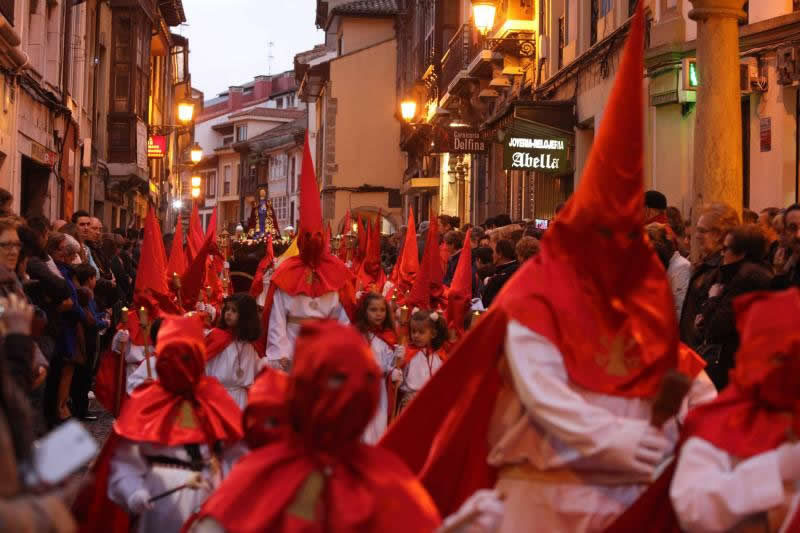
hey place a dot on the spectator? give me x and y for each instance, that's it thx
(767, 216)
(506, 265)
(490, 224)
(502, 220)
(655, 207)
(783, 252)
(58, 224)
(679, 269)
(95, 322)
(6, 203)
(476, 236)
(526, 248)
(68, 351)
(485, 241)
(678, 226)
(713, 225)
(787, 262)
(484, 260)
(749, 217)
(453, 241)
(113, 245)
(466, 227)
(445, 224)
(422, 235)
(741, 271)
(74, 237)
(516, 235)
(83, 220)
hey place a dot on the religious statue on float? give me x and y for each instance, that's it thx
(262, 217)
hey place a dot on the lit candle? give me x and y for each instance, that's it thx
(124, 318)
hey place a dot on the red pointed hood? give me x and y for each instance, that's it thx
(370, 273)
(459, 296)
(409, 261)
(211, 232)
(194, 240)
(177, 257)
(310, 234)
(151, 279)
(428, 283)
(363, 238)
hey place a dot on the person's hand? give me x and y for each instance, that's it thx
(17, 315)
(789, 461)
(139, 501)
(39, 377)
(650, 451)
(481, 513)
(715, 290)
(698, 321)
(397, 375)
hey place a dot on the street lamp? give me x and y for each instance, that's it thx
(483, 12)
(196, 181)
(177, 205)
(185, 111)
(196, 153)
(195, 192)
(408, 110)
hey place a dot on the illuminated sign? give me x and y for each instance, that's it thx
(540, 154)
(156, 146)
(691, 76)
(458, 141)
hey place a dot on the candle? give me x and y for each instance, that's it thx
(124, 318)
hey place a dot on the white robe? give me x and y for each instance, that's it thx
(420, 369)
(385, 357)
(131, 471)
(237, 355)
(262, 298)
(713, 491)
(141, 375)
(566, 454)
(134, 359)
(282, 334)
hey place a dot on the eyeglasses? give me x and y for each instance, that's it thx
(10, 245)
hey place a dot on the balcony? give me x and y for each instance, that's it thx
(455, 62)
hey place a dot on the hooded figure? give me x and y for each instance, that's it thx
(173, 432)
(552, 392)
(319, 476)
(370, 275)
(311, 285)
(266, 417)
(740, 463)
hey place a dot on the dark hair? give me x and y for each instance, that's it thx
(749, 240)
(5, 196)
(771, 212)
(675, 221)
(749, 217)
(455, 221)
(31, 247)
(40, 224)
(439, 326)
(655, 200)
(54, 242)
(793, 207)
(110, 246)
(72, 231)
(79, 214)
(484, 253)
(502, 220)
(505, 248)
(466, 227)
(454, 239)
(84, 272)
(490, 223)
(133, 234)
(249, 326)
(361, 322)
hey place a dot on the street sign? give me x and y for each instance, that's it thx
(156, 147)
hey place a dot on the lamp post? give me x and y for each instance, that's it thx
(483, 12)
(185, 111)
(196, 153)
(483, 15)
(408, 110)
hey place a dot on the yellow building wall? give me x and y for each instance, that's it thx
(367, 149)
(358, 33)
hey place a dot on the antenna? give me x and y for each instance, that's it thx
(270, 57)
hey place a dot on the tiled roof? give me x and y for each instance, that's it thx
(290, 128)
(268, 112)
(367, 7)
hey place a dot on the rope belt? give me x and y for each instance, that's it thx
(160, 460)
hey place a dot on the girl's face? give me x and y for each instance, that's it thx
(421, 333)
(231, 315)
(376, 312)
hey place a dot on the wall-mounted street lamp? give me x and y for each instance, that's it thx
(195, 192)
(196, 153)
(408, 110)
(196, 181)
(483, 12)
(185, 111)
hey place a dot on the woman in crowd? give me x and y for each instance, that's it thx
(742, 270)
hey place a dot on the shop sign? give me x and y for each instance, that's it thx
(458, 141)
(539, 154)
(42, 154)
(156, 146)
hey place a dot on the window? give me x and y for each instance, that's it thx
(562, 32)
(226, 180)
(607, 6)
(292, 164)
(291, 214)
(241, 133)
(227, 140)
(279, 103)
(211, 184)
(595, 16)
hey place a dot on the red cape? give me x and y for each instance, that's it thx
(216, 341)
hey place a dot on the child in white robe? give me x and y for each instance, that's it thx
(375, 322)
(232, 359)
(423, 356)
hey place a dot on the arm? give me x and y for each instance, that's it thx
(680, 286)
(277, 339)
(709, 494)
(541, 383)
(128, 472)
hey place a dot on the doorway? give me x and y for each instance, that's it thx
(35, 184)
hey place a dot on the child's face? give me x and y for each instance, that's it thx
(376, 312)
(231, 315)
(421, 333)
(91, 283)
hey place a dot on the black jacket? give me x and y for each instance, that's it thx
(496, 282)
(696, 297)
(718, 327)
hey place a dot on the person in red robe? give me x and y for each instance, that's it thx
(311, 285)
(178, 432)
(320, 476)
(552, 395)
(266, 417)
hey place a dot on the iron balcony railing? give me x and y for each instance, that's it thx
(461, 50)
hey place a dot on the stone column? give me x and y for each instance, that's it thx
(718, 126)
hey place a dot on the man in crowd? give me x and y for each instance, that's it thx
(789, 273)
(655, 207)
(506, 265)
